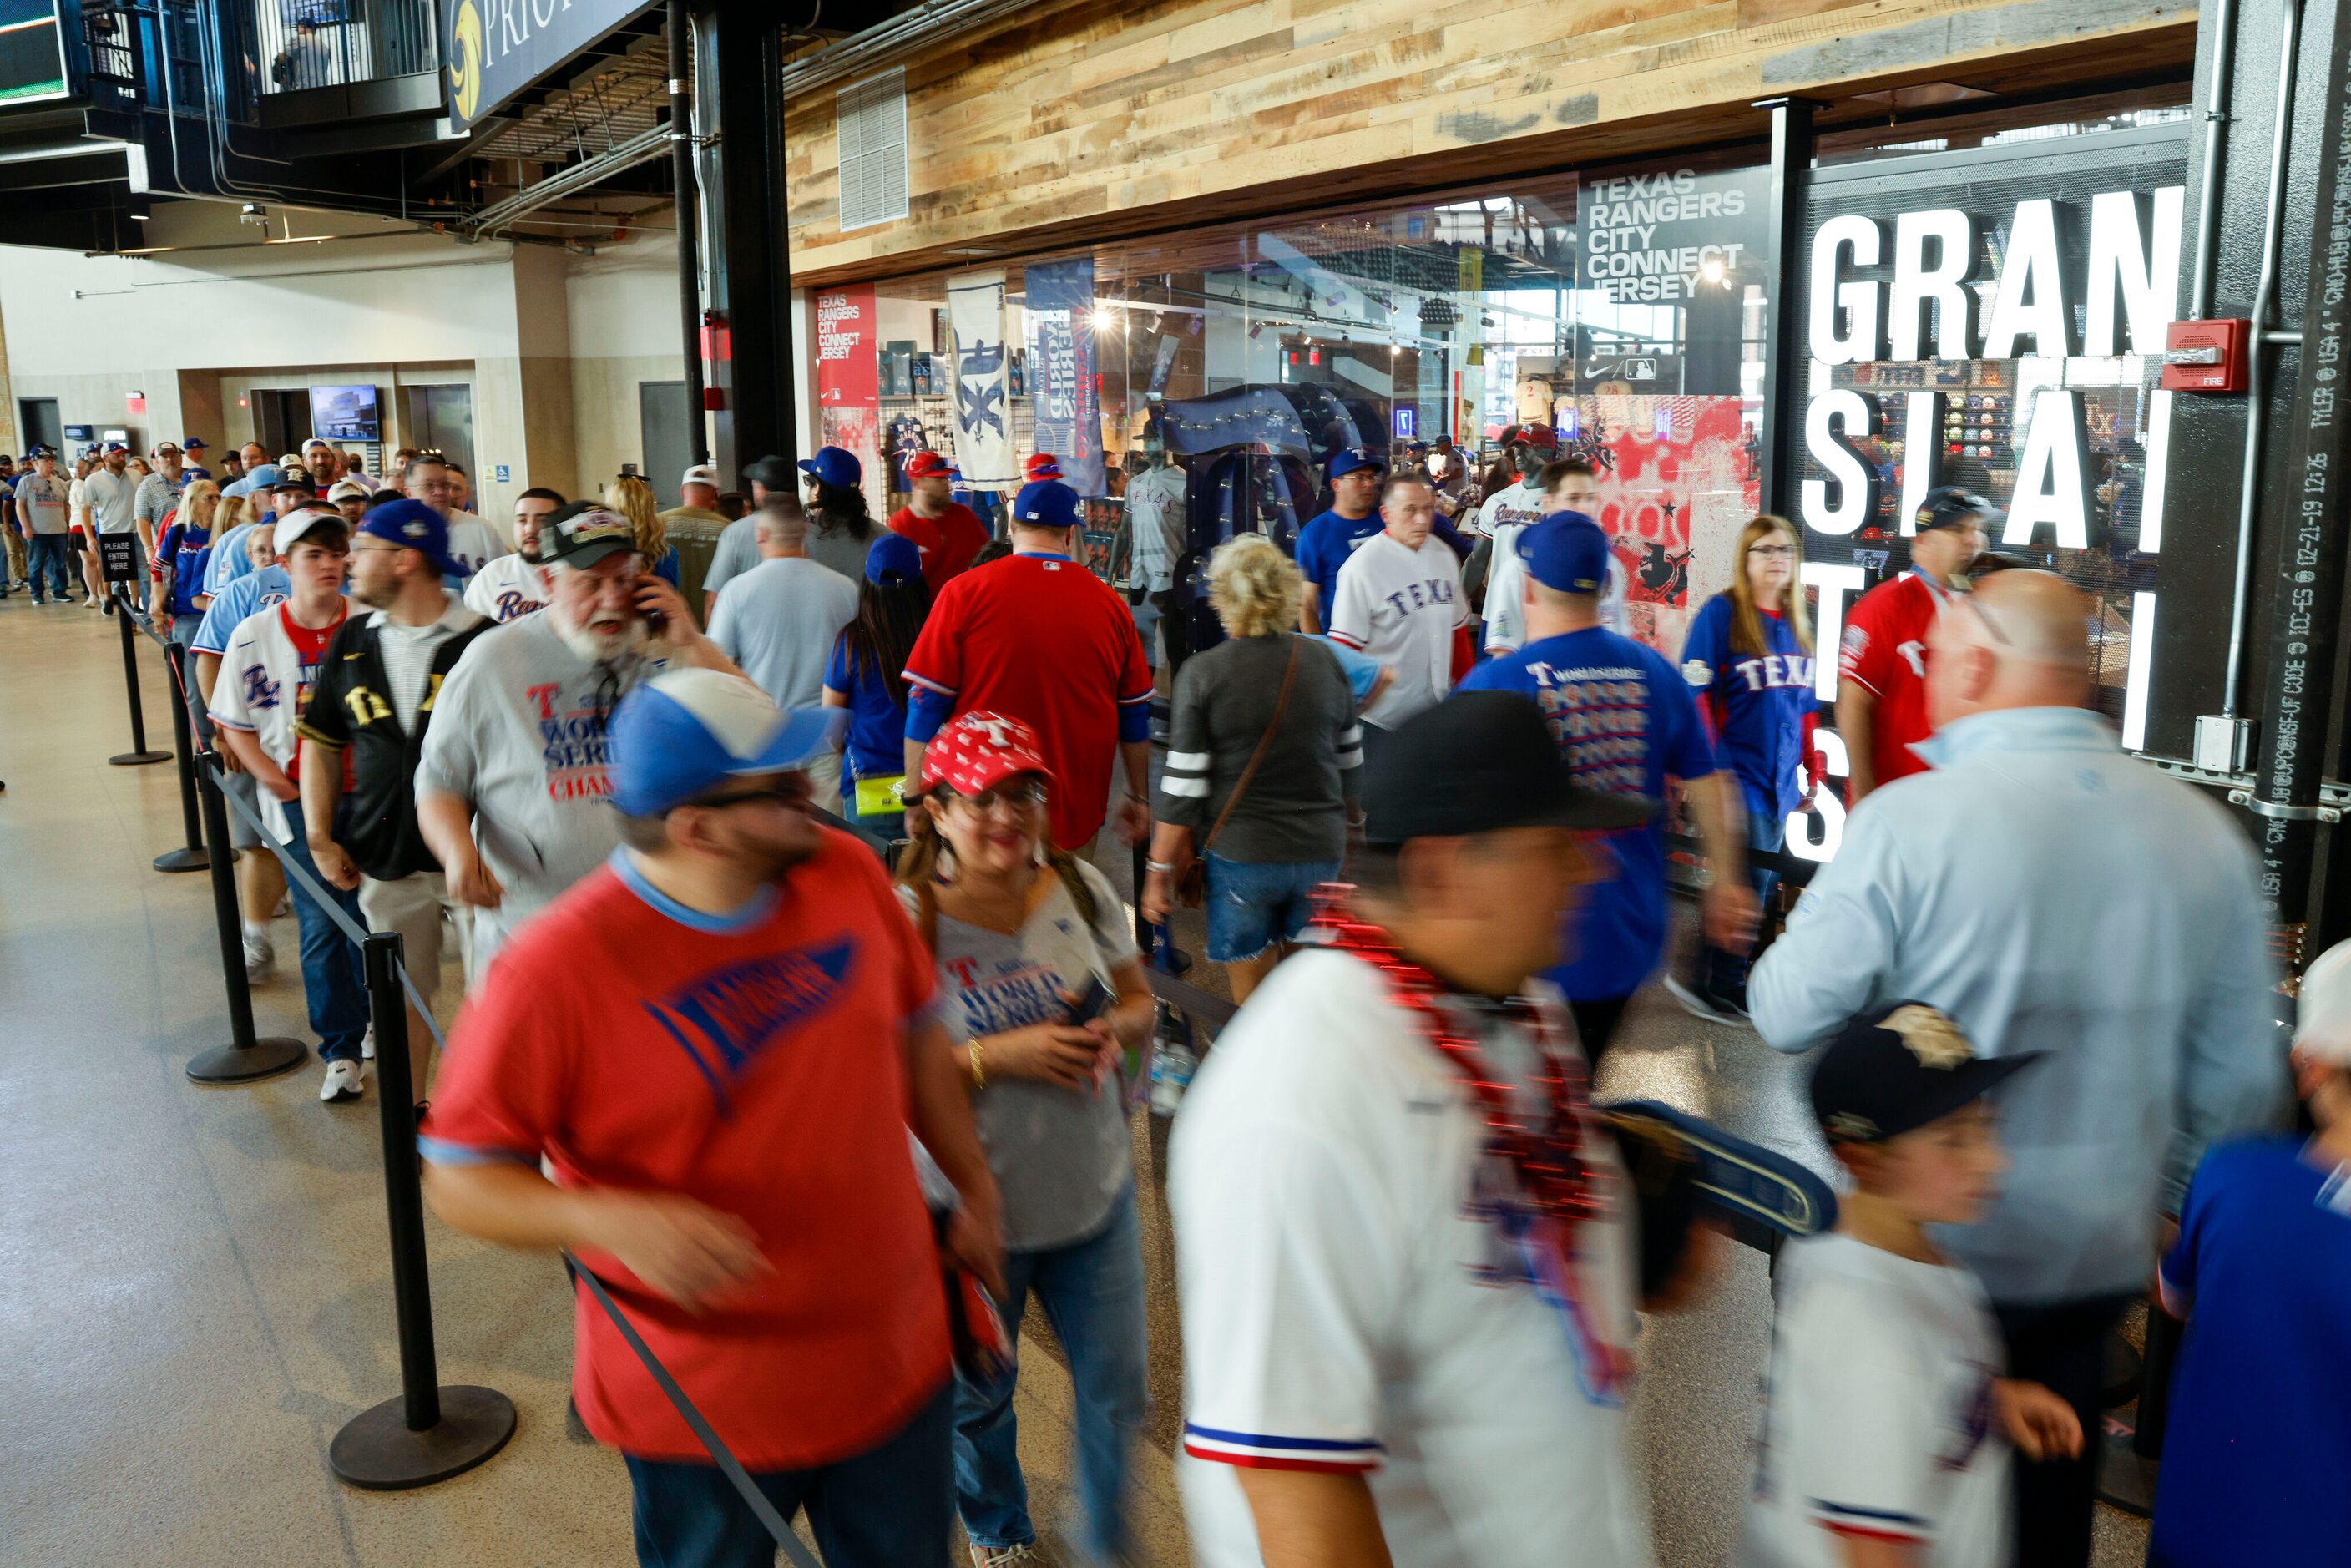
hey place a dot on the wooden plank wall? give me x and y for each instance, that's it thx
(1094, 117)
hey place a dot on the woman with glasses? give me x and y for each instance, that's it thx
(1048, 1007)
(1748, 661)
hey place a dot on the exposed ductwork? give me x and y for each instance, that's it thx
(932, 22)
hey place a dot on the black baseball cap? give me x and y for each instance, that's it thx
(582, 534)
(1477, 763)
(1951, 505)
(1894, 1068)
(295, 479)
(773, 473)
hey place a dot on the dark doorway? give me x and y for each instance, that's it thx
(662, 437)
(36, 423)
(440, 419)
(282, 419)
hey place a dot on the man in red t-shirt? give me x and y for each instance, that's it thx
(719, 1042)
(946, 532)
(1881, 705)
(1037, 636)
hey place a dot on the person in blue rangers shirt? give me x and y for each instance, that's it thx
(1748, 661)
(1326, 541)
(2262, 1272)
(1625, 723)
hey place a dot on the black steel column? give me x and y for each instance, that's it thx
(738, 108)
(2311, 511)
(689, 262)
(1783, 354)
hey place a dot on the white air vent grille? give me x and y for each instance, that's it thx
(872, 116)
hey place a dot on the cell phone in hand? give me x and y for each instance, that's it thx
(1092, 1003)
(654, 620)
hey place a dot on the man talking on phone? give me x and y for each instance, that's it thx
(511, 793)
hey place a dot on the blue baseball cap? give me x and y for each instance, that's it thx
(261, 476)
(1046, 504)
(1567, 553)
(683, 733)
(893, 562)
(413, 524)
(836, 468)
(1350, 458)
(1950, 504)
(114, 446)
(193, 444)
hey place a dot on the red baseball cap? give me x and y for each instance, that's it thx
(980, 750)
(1042, 466)
(926, 465)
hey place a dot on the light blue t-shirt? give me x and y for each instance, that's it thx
(254, 590)
(777, 622)
(1362, 670)
(229, 561)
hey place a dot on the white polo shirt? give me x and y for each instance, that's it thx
(1401, 607)
(1337, 1309)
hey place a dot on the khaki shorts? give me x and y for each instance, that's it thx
(412, 907)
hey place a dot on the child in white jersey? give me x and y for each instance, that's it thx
(1886, 1431)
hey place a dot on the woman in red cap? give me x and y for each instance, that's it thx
(1047, 1002)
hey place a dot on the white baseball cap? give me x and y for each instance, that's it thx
(301, 521)
(348, 489)
(2323, 1021)
(701, 474)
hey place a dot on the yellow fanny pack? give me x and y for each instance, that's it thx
(879, 797)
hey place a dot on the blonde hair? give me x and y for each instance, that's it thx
(1746, 621)
(197, 503)
(1254, 589)
(249, 510)
(633, 499)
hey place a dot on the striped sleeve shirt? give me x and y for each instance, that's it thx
(1294, 809)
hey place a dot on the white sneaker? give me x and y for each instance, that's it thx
(284, 906)
(367, 1045)
(260, 959)
(1703, 1004)
(344, 1081)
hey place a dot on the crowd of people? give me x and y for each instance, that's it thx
(1418, 792)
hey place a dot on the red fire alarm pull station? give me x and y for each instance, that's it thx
(2206, 356)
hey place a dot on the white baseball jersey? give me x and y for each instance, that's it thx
(1878, 1418)
(507, 589)
(1506, 611)
(1340, 1301)
(473, 544)
(1401, 607)
(265, 675)
(1514, 506)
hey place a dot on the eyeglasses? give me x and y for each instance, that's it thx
(791, 792)
(1025, 797)
(1774, 553)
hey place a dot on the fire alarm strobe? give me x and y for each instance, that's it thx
(2206, 356)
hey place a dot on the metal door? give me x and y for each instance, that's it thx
(36, 423)
(440, 419)
(661, 438)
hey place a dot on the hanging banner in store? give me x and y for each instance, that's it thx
(495, 48)
(1659, 237)
(1069, 425)
(848, 384)
(983, 399)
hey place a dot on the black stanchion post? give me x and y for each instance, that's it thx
(2133, 1444)
(427, 1433)
(137, 755)
(244, 1059)
(184, 741)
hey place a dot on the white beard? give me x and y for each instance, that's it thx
(599, 647)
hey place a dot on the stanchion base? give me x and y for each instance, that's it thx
(2125, 1479)
(375, 1450)
(2123, 1371)
(139, 758)
(270, 1055)
(183, 860)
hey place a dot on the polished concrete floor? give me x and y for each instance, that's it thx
(198, 1287)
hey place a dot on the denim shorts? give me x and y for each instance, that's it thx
(1253, 904)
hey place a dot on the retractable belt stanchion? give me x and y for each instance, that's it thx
(426, 1433)
(2133, 1443)
(184, 741)
(137, 755)
(244, 1058)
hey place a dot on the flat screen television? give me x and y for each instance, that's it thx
(345, 413)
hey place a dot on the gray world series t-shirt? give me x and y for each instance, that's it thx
(1060, 1156)
(519, 730)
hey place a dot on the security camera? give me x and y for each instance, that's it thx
(254, 213)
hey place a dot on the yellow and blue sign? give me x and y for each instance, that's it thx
(493, 49)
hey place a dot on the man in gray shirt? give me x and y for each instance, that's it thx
(110, 496)
(738, 550)
(512, 792)
(779, 620)
(158, 494)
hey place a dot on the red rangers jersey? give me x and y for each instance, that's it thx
(1885, 649)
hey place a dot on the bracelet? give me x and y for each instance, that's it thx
(1132, 796)
(1159, 866)
(978, 1063)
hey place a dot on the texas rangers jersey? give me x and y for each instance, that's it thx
(1402, 606)
(507, 589)
(1877, 1420)
(1755, 704)
(473, 545)
(1506, 586)
(1351, 1305)
(1885, 649)
(265, 675)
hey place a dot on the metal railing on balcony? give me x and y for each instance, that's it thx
(302, 44)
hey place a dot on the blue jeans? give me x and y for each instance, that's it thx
(333, 981)
(1252, 905)
(1092, 1292)
(1724, 973)
(48, 552)
(885, 1508)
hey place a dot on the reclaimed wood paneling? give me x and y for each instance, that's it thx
(1093, 119)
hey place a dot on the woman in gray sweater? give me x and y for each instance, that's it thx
(1289, 829)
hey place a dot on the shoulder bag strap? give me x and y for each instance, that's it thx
(1281, 705)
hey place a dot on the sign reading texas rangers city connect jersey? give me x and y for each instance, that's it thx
(32, 54)
(494, 49)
